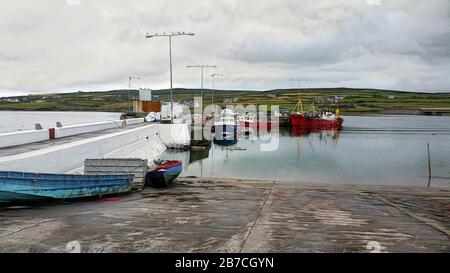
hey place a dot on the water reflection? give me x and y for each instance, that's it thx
(366, 152)
(197, 154)
(323, 135)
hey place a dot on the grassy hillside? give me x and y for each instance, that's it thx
(354, 100)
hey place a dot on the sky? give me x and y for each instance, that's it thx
(71, 45)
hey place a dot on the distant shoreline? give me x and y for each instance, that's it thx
(381, 113)
(351, 101)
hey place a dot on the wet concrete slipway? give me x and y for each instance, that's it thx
(204, 215)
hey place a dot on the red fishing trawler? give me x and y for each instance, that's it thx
(316, 120)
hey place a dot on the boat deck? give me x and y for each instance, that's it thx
(205, 215)
(7, 151)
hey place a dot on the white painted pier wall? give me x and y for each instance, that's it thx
(146, 142)
(23, 137)
(84, 128)
(32, 136)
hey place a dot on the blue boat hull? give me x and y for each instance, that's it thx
(164, 176)
(12, 197)
(225, 142)
(224, 131)
(226, 136)
(23, 187)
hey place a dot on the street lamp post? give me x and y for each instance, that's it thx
(201, 71)
(170, 35)
(129, 90)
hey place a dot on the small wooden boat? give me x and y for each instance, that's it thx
(27, 187)
(165, 173)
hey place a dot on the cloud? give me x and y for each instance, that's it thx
(55, 46)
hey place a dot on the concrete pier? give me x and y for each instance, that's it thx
(24, 148)
(217, 215)
(67, 155)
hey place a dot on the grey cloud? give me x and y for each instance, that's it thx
(50, 45)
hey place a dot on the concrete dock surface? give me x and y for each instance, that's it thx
(223, 215)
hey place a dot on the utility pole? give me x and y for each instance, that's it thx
(170, 35)
(129, 89)
(201, 72)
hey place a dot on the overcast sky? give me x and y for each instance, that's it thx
(71, 45)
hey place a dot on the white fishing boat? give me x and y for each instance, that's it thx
(226, 126)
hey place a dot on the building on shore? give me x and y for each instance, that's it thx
(145, 102)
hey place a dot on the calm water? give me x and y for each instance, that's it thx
(11, 121)
(377, 150)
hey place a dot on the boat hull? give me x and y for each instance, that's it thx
(165, 174)
(225, 142)
(226, 128)
(254, 124)
(23, 187)
(12, 197)
(300, 121)
(226, 137)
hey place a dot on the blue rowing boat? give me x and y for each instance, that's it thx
(25, 187)
(164, 174)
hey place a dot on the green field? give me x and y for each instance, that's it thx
(355, 101)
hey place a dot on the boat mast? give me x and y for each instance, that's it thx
(299, 99)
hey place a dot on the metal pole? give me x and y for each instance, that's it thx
(170, 59)
(429, 164)
(213, 76)
(129, 93)
(129, 90)
(201, 78)
(298, 93)
(212, 91)
(171, 82)
(201, 90)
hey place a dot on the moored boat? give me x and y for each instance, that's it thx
(28, 187)
(249, 120)
(164, 173)
(226, 125)
(226, 139)
(315, 120)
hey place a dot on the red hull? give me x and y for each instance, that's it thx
(259, 124)
(301, 121)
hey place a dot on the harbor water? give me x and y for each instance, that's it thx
(370, 150)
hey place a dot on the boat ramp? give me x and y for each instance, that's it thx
(220, 215)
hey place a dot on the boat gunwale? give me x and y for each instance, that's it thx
(63, 177)
(171, 164)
